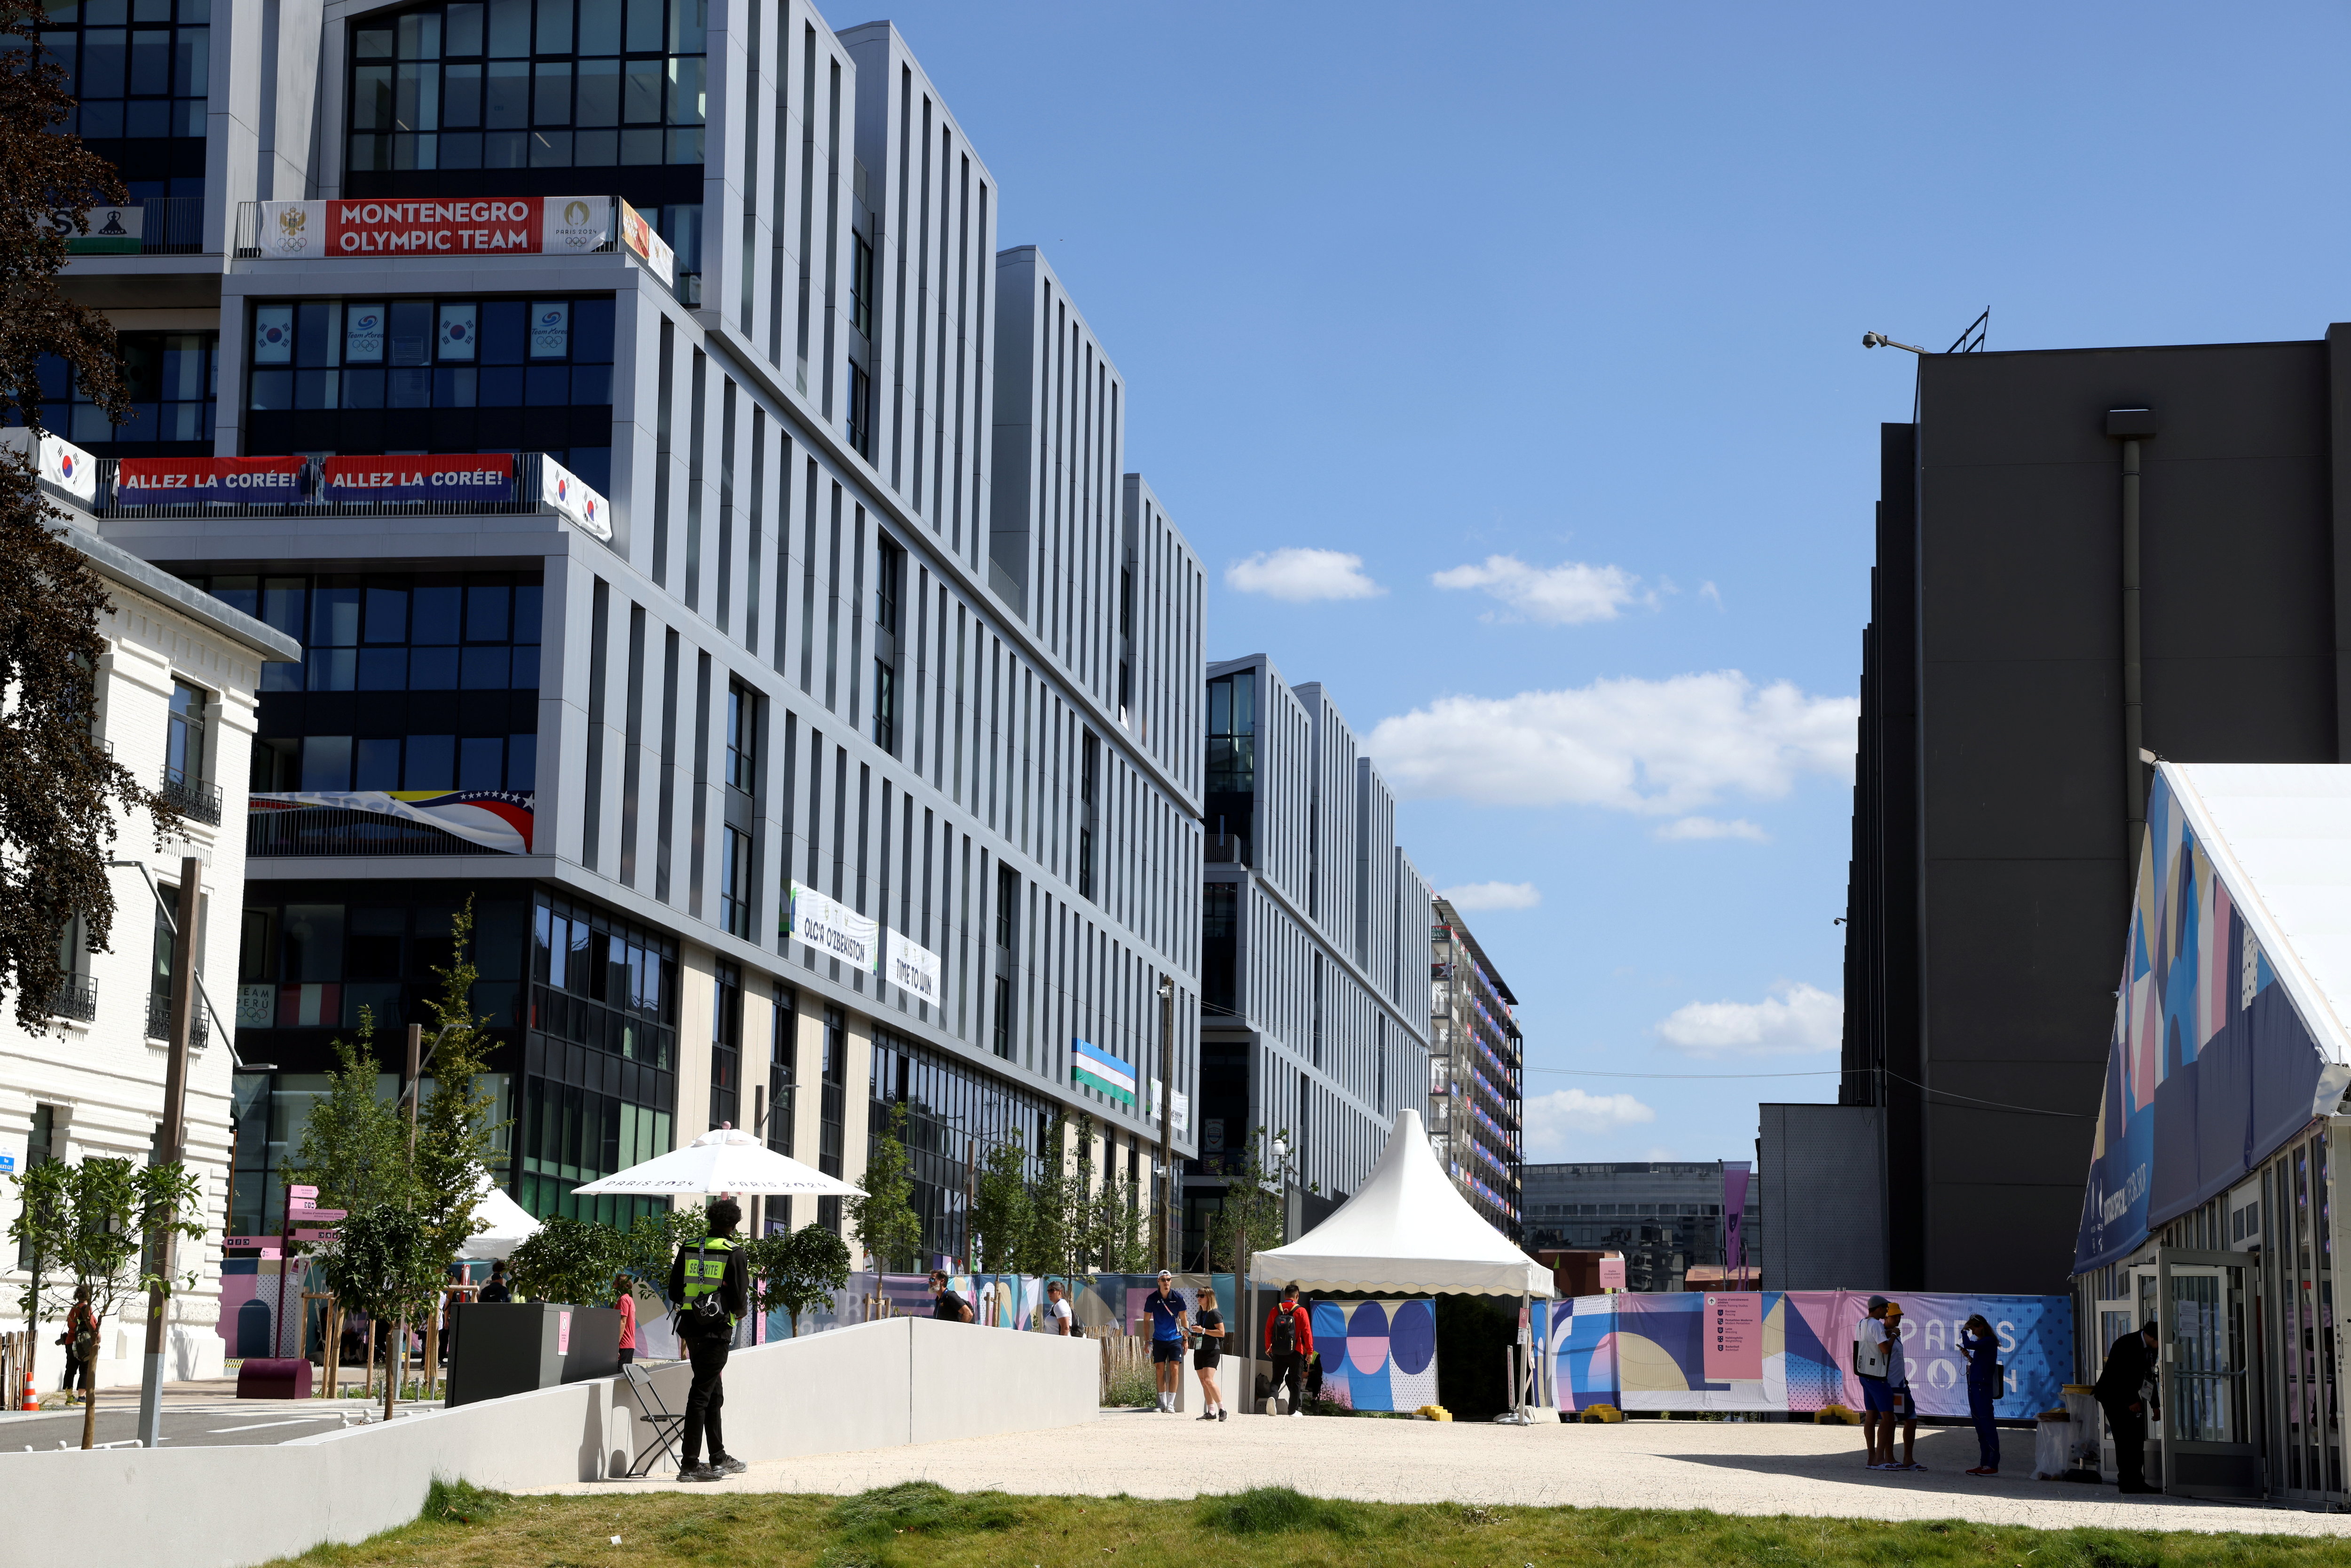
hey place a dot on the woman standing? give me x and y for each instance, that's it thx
(1982, 1347)
(1208, 1332)
(624, 1297)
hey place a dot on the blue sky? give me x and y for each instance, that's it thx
(1562, 305)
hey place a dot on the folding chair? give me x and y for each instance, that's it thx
(668, 1428)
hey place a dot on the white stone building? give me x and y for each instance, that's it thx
(176, 702)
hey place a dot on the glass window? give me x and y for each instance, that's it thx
(183, 751)
(171, 377)
(146, 83)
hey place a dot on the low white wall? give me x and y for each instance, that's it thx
(874, 1385)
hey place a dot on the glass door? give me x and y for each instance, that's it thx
(2305, 1439)
(2210, 1449)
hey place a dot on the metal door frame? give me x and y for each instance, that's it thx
(2237, 1301)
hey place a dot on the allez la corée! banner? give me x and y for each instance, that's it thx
(179, 481)
(459, 225)
(483, 477)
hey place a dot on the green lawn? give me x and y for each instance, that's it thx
(919, 1525)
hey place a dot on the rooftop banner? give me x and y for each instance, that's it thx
(182, 481)
(561, 489)
(1096, 1068)
(355, 229)
(913, 969)
(480, 476)
(494, 818)
(836, 930)
(639, 236)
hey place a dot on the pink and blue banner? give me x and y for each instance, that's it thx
(1793, 1350)
(1377, 1356)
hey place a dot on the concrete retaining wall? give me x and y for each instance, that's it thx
(875, 1385)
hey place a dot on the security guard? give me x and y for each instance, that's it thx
(708, 1291)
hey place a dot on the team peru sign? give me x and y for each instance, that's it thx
(483, 225)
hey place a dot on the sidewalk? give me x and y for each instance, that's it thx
(1730, 1467)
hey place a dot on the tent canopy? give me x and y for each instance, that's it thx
(725, 1159)
(510, 1224)
(1409, 1229)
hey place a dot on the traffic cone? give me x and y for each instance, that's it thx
(32, 1399)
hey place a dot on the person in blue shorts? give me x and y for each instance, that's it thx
(1171, 1330)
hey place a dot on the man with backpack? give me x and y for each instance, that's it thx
(1289, 1341)
(708, 1290)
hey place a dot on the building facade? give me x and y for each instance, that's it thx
(1477, 1073)
(1666, 1217)
(1314, 942)
(174, 704)
(691, 669)
(2041, 505)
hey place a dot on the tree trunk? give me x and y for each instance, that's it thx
(89, 1395)
(432, 1350)
(368, 1387)
(395, 1362)
(334, 1357)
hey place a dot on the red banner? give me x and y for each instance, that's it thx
(455, 227)
(179, 481)
(485, 477)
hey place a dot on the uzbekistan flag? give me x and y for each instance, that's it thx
(1098, 1069)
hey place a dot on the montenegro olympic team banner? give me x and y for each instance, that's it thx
(373, 229)
(494, 818)
(1793, 1350)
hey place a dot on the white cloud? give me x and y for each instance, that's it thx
(1663, 747)
(1493, 896)
(1709, 591)
(1792, 1020)
(1301, 575)
(1712, 828)
(1553, 1118)
(1564, 595)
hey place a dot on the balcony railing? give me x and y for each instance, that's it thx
(159, 1020)
(196, 800)
(75, 998)
(1225, 849)
(331, 831)
(168, 225)
(524, 499)
(249, 247)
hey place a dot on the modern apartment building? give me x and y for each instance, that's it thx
(640, 399)
(1666, 1217)
(175, 702)
(1314, 942)
(1477, 1073)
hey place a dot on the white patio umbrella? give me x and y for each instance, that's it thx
(729, 1160)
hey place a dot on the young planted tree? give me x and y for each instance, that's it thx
(454, 1135)
(1001, 1208)
(354, 1147)
(883, 1218)
(795, 1269)
(569, 1261)
(1049, 1245)
(60, 792)
(89, 1224)
(1255, 1206)
(382, 1264)
(1117, 1236)
(649, 1245)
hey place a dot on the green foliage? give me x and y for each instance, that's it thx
(1116, 1233)
(868, 1526)
(354, 1147)
(795, 1269)
(1279, 1510)
(455, 1134)
(463, 1503)
(1255, 1204)
(568, 1260)
(1050, 1243)
(382, 1264)
(1002, 1208)
(1131, 1385)
(87, 1226)
(883, 1219)
(653, 1241)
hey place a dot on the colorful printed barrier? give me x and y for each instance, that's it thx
(1793, 1350)
(1377, 1356)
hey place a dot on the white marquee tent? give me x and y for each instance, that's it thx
(1408, 1230)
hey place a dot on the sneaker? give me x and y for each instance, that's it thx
(1207, 1415)
(729, 1466)
(1297, 1414)
(699, 1473)
(1221, 1412)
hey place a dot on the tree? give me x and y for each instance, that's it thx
(795, 1269)
(883, 1219)
(1116, 1235)
(60, 792)
(1256, 1205)
(382, 1265)
(1050, 1246)
(1001, 1208)
(89, 1224)
(649, 1246)
(569, 1261)
(455, 1134)
(354, 1147)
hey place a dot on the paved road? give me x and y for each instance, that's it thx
(206, 1426)
(1744, 1467)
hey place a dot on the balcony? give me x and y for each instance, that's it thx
(524, 495)
(159, 1020)
(166, 226)
(333, 831)
(1225, 849)
(75, 998)
(196, 800)
(390, 229)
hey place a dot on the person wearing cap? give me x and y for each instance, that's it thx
(1874, 1358)
(945, 1305)
(1171, 1330)
(2125, 1391)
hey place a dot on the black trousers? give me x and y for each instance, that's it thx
(1289, 1369)
(704, 1400)
(1979, 1410)
(2131, 1444)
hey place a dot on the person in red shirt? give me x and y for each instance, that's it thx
(625, 1299)
(1288, 1342)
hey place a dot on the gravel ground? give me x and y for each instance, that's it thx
(1731, 1467)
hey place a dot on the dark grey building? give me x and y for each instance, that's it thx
(2039, 613)
(1665, 1215)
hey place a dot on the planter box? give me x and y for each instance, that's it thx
(514, 1347)
(273, 1378)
